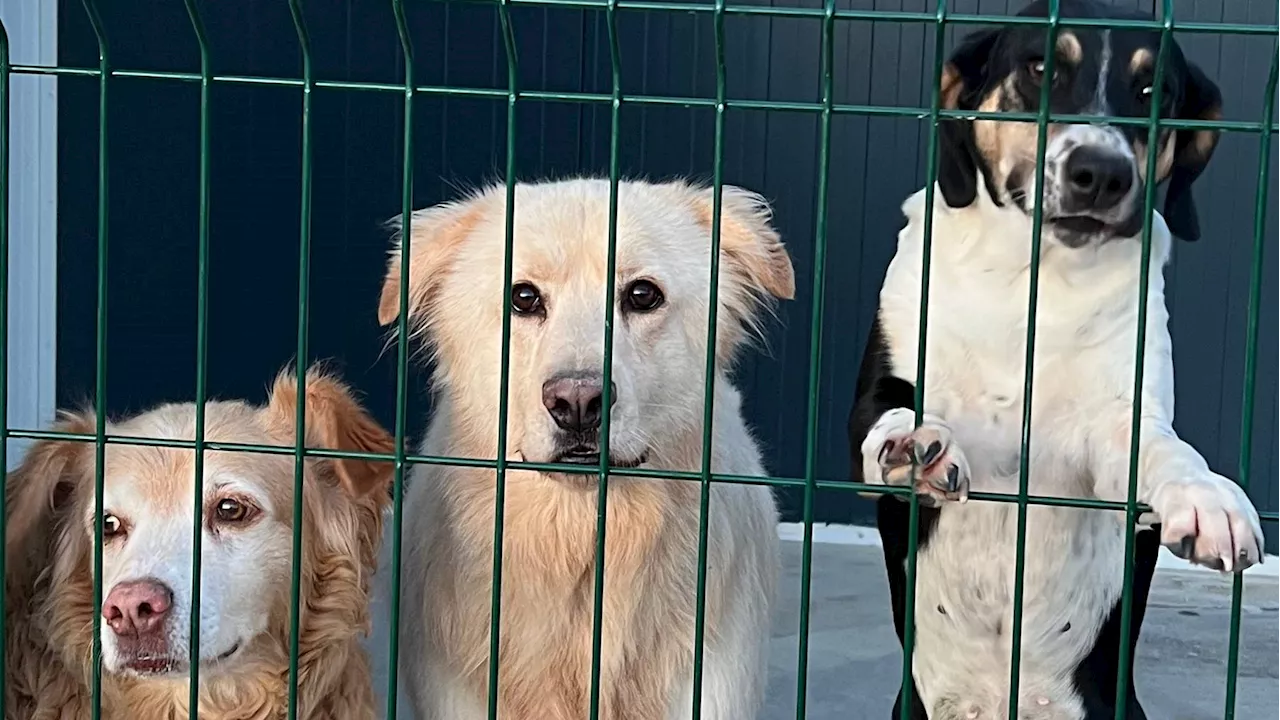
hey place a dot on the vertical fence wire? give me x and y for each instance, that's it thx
(606, 400)
(402, 362)
(100, 355)
(1251, 370)
(304, 292)
(815, 351)
(202, 354)
(504, 381)
(709, 388)
(1029, 359)
(907, 691)
(4, 337)
(1144, 280)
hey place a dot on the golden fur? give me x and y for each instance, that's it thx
(49, 600)
(549, 520)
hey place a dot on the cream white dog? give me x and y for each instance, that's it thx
(555, 391)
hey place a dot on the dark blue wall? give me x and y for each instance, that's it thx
(256, 170)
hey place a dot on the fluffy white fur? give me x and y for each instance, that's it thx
(456, 297)
(1080, 435)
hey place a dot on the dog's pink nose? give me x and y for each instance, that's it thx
(138, 607)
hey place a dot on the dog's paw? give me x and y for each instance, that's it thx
(1210, 521)
(898, 453)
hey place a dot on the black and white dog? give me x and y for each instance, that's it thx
(1081, 415)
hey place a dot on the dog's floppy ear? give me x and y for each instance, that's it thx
(43, 487)
(435, 234)
(963, 76)
(335, 421)
(1192, 149)
(748, 242)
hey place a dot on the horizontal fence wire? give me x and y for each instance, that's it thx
(456, 461)
(902, 111)
(826, 108)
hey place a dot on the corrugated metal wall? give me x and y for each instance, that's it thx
(255, 197)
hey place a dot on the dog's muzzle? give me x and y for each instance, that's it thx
(575, 402)
(1098, 190)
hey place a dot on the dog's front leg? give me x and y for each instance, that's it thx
(1205, 517)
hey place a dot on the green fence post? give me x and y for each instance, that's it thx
(1024, 455)
(1251, 371)
(709, 392)
(815, 349)
(304, 305)
(1144, 279)
(913, 516)
(402, 361)
(500, 467)
(100, 353)
(602, 502)
(202, 354)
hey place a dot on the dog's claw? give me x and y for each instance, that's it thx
(925, 458)
(931, 453)
(884, 451)
(1187, 549)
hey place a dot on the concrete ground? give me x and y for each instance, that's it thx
(855, 663)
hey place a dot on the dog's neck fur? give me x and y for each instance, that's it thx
(549, 546)
(994, 238)
(981, 260)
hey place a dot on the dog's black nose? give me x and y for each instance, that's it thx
(574, 400)
(1097, 179)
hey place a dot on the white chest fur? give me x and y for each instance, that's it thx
(974, 376)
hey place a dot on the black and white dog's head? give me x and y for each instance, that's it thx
(1094, 174)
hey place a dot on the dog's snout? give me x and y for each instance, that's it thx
(1098, 179)
(574, 402)
(138, 607)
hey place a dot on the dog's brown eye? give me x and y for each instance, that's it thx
(643, 296)
(1036, 71)
(230, 510)
(111, 526)
(525, 299)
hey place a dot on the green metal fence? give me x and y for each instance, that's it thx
(828, 15)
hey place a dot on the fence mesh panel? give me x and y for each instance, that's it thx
(828, 15)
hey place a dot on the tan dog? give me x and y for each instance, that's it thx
(245, 580)
(557, 349)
